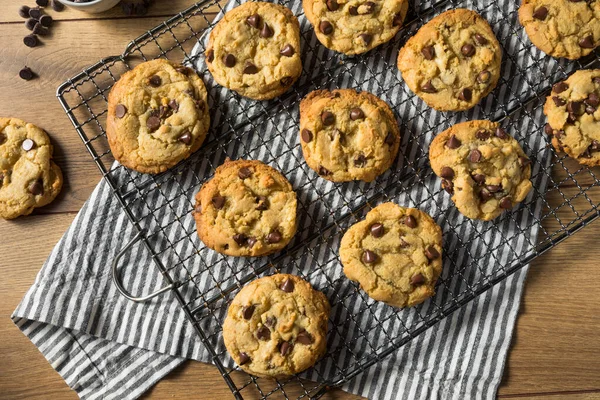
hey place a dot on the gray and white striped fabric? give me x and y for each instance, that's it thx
(105, 346)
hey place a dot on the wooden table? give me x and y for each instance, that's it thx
(556, 349)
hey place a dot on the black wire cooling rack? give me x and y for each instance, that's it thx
(477, 255)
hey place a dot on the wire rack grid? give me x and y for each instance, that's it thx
(363, 332)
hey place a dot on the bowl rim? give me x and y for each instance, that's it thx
(87, 3)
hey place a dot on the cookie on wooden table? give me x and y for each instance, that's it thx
(482, 167)
(246, 209)
(355, 26)
(157, 116)
(348, 135)
(255, 50)
(395, 254)
(562, 28)
(28, 177)
(276, 326)
(453, 61)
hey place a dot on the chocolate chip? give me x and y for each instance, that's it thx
(484, 76)
(27, 144)
(263, 333)
(403, 243)
(592, 100)
(155, 81)
(326, 28)
(482, 134)
(353, 10)
(428, 52)
(501, 133)
(250, 68)
(36, 188)
(332, 5)
(417, 279)
(173, 105)
(596, 80)
(1, 178)
(285, 348)
(366, 37)
(253, 20)
(356, 113)
(274, 237)
(287, 286)
(590, 110)
(480, 39)
(263, 203)
(475, 156)
(218, 202)
(35, 13)
(479, 178)
(229, 60)
(57, 6)
(30, 24)
(266, 31)
(306, 135)
(244, 173)
(244, 358)
(369, 7)
(485, 195)
(595, 146)
(428, 87)
(240, 239)
(540, 13)
(324, 171)
(575, 107)
(30, 40)
(287, 50)
(410, 221)
(304, 338)
(38, 29)
(164, 112)
(360, 161)
(560, 87)
(390, 139)
(24, 12)
(182, 70)
(2, 138)
(494, 188)
(120, 111)
(467, 50)
(153, 123)
(210, 55)
(328, 118)
(186, 138)
(286, 81)
(251, 241)
(46, 21)
(248, 311)
(506, 203)
(587, 42)
(466, 94)
(447, 173)
(448, 186)
(431, 253)
(26, 73)
(369, 257)
(377, 230)
(453, 142)
(398, 19)
(558, 101)
(524, 161)
(548, 130)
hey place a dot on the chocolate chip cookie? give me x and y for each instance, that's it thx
(453, 61)
(28, 177)
(348, 135)
(562, 28)
(246, 209)
(255, 50)
(395, 254)
(482, 167)
(157, 116)
(276, 326)
(574, 118)
(355, 26)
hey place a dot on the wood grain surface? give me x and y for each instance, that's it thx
(556, 348)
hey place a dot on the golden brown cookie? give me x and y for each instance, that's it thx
(28, 177)
(355, 26)
(157, 116)
(395, 254)
(348, 135)
(482, 167)
(255, 50)
(246, 209)
(276, 326)
(453, 61)
(574, 118)
(562, 28)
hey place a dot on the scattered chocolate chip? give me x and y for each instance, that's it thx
(540, 13)
(306, 135)
(240, 239)
(484, 76)
(153, 123)
(250, 68)
(287, 50)
(46, 21)
(479, 178)
(24, 11)
(128, 8)
(390, 139)
(485, 195)
(35, 13)
(324, 171)
(501, 133)
(332, 5)
(244, 358)
(141, 9)
(353, 10)
(482, 134)
(494, 188)
(304, 338)
(285, 348)
(467, 50)
(253, 20)
(27, 144)
(417, 279)
(210, 55)
(398, 19)
(263, 333)
(155, 81)
(326, 28)
(466, 94)
(453, 142)
(218, 202)
(475, 156)
(558, 101)
(410, 221)
(448, 186)
(560, 87)
(287, 286)
(274, 237)
(447, 173)
(36, 188)
(431, 253)
(428, 87)
(26, 73)
(229, 60)
(575, 107)
(366, 37)
(328, 118)
(38, 29)
(248, 311)
(30, 40)
(263, 203)
(587, 42)
(506, 203)
(186, 138)
(120, 111)
(30, 24)
(481, 39)
(428, 52)
(266, 31)
(356, 113)
(377, 230)
(369, 257)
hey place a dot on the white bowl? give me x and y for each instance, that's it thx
(94, 6)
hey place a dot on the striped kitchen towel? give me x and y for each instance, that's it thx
(105, 346)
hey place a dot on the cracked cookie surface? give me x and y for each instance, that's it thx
(157, 116)
(276, 326)
(348, 135)
(482, 167)
(562, 28)
(255, 50)
(453, 61)
(28, 176)
(355, 26)
(395, 254)
(246, 209)
(574, 117)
